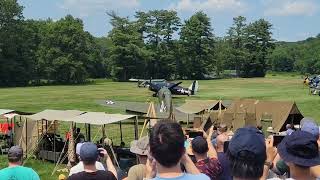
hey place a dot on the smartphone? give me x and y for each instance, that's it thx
(277, 140)
(193, 134)
(100, 154)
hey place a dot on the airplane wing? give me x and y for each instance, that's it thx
(174, 85)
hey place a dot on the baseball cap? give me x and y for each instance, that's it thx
(89, 152)
(310, 126)
(15, 153)
(248, 142)
(140, 146)
(300, 148)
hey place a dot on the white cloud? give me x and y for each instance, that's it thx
(210, 6)
(291, 8)
(87, 7)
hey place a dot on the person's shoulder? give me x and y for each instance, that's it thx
(107, 174)
(197, 176)
(137, 167)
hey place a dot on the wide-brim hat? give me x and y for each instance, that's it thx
(300, 148)
(141, 146)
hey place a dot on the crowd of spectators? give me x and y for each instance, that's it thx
(167, 153)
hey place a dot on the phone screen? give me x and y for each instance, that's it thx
(193, 134)
(277, 140)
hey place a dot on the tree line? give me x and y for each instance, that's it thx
(155, 44)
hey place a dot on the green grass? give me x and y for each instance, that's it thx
(34, 99)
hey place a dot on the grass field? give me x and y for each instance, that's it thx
(83, 97)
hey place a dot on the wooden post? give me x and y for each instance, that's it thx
(150, 113)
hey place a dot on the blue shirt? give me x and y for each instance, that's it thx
(225, 165)
(18, 173)
(185, 176)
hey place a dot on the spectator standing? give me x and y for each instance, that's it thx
(206, 156)
(223, 159)
(300, 152)
(247, 154)
(168, 151)
(289, 129)
(80, 167)
(15, 170)
(140, 148)
(89, 153)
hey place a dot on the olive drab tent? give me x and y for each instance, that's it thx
(251, 112)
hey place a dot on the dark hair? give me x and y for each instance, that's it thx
(245, 165)
(199, 145)
(78, 130)
(15, 159)
(167, 143)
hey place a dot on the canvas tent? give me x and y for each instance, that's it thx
(251, 112)
(98, 118)
(5, 111)
(199, 106)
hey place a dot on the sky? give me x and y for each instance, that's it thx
(292, 20)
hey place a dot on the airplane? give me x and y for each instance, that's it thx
(174, 88)
(144, 82)
(313, 83)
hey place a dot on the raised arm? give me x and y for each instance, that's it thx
(189, 165)
(109, 163)
(212, 153)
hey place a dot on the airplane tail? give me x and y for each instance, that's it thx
(194, 87)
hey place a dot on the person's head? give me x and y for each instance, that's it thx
(299, 151)
(259, 127)
(247, 153)
(310, 126)
(89, 153)
(15, 155)
(167, 143)
(221, 139)
(288, 126)
(199, 146)
(9, 128)
(78, 147)
(223, 128)
(140, 148)
(78, 130)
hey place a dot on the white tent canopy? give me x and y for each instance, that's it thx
(5, 111)
(52, 115)
(95, 118)
(99, 118)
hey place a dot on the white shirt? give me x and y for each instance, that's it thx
(79, 168)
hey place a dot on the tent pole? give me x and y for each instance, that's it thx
(89, 132)
(54, 141)
(136, 128)
(26, 126)
(121, 131)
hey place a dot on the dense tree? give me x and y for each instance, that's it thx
(237, 39)
(158, 28)
(67, 53)
(198, 46)
(15, 57)
(128, 54)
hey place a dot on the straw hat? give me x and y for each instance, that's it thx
(270, 130)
